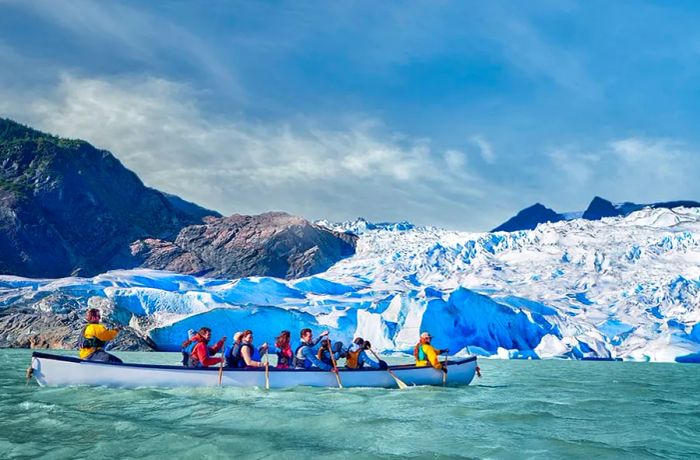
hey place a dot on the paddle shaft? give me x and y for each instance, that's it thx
(399, 382)
(221, 363)
(444, 372)
(267, 370)
(337, 376)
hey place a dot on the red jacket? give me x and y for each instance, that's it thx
(202, 353)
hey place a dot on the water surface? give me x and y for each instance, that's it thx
(519, 409)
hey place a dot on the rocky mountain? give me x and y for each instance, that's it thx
(232, 246)
(530, 218)
(69, 208)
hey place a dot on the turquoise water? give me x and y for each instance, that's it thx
(519, 409)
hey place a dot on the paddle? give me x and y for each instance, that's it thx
(401, 385)
(335, 366)
(267, 370)
(221, 363)
(444, 372)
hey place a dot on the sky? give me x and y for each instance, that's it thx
(453, 114)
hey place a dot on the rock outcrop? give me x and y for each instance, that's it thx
(271, 244)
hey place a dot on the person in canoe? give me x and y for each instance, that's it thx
(305, 353)
(201, 353)
(356, 356)
(283, 350)
(426, 354)
(188, 346)
(246, 352)
(94, 338)
(324, 351)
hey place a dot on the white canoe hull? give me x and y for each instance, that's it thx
(56, 370)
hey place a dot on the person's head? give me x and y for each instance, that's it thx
(306, 334)
(92, 315)
(205, 334)
(425, 337)
(325, 343)
(247, 336)
(283, 339)
(237, 337)
(366, 345)
(359, 341)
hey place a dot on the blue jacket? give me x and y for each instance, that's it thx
(326, 357)
(308, 352)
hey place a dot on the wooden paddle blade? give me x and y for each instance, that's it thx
(399, 382)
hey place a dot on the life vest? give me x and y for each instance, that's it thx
(353, 359)
(232, 355)
(90, 342)
(284, 357)
(418, 353)
(235, 358)
(298, 359)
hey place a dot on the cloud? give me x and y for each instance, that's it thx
(135, 34)
(485, 149)
(157, 129)
(627, 169)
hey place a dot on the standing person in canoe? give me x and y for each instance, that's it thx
(357, 356)
(247, 351)
(305, 353)
(426, 354)
(283, 350)
(201, 354)
(94, 338)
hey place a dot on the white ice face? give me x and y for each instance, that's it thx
(619, 287)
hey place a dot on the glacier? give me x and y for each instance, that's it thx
(618, 288)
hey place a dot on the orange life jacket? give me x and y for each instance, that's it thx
(352, 359)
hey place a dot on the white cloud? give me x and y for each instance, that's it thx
(156, 128)
(485, 149)
(627, 169)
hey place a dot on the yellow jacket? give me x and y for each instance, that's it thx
(99, 332)
(431, 353)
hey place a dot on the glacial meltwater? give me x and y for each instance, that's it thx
(519, 409)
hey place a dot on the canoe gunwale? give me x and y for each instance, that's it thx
(72, 359)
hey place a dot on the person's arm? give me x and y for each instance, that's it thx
(245, 354)
(309, 354)
(363, 358)
(200, 351)
(215, 349)
(103, 333)
(432, 355)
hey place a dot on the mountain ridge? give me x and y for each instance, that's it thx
(68, 208)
